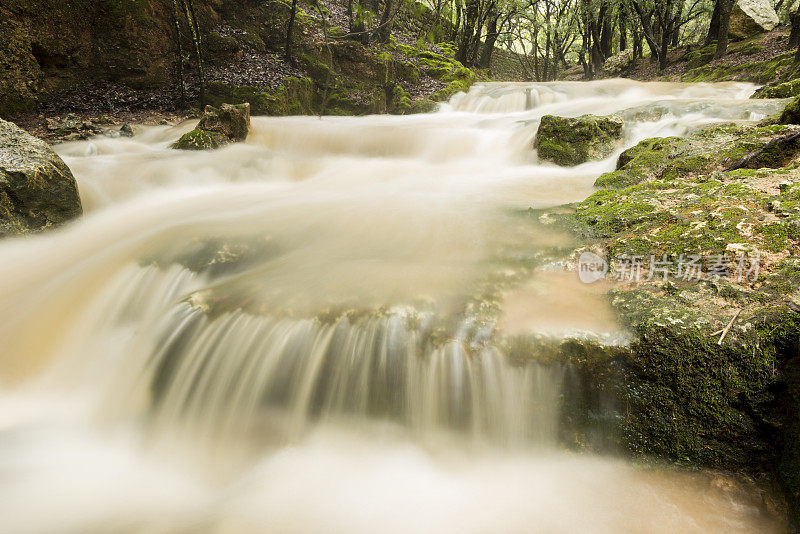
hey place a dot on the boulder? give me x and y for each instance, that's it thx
(219, 126)
(781, 90)
(791, 113)
(232, 121)
(37, 189)
(572, 141)
(618, 63)
(751, 17)
(200, 140)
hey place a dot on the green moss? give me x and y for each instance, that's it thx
(685, 397)
(422, 105)
(296, 96)
(759, 72)
(650, 154)
(609, 212)
(778, 236)
(572, 141)
(200, 140)
(685, 166)
(620, 179)
(781, 90)
(791, 113)
(401, 101)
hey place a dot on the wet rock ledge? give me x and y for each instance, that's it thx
(702, 237)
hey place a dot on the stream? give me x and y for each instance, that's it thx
(299, 333)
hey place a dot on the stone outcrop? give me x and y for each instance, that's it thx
(232, 121)
(791, 113)
(712, 377)
(780, 90)
(37, 189)
(618, 63)
(572, 141)
(48, 46)
(751, 17)
(218, 127)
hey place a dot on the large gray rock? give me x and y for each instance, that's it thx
(751, 17)
(37, 189)
(618, 63)
(572, 141)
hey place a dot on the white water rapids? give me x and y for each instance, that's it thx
(289, 335)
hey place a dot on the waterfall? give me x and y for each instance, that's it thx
(305, 332)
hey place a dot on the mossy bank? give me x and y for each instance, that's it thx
(705, 263)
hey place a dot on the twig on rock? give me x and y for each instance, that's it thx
(727, 328)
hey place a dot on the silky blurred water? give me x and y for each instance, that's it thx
(285, 335)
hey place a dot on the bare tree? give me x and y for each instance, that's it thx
(188, 6)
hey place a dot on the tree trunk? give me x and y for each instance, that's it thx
(385, 27)
(794, 36)
(647, 30)
(713, 27)
(724, 24)
(488, 45)
(623, 28)
(190, 16)
(607, 36)
(177, 16)
(287, 50)
(471, 13)
(675, 25)
(457, 9)
(666, 38)
(637, 44)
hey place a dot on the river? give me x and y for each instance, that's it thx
(298, 334)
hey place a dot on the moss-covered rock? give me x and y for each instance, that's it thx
(572, 141)
(777, 68)
(618, 63)
(295, 96)
(200, 140)
(682, 390)
(422, 105)
(37, 189)
(791, 113)
(780, 90)
(230, 120)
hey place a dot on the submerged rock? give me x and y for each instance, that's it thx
(219, 126)
(751, 17)
(37, 189)
(572, 141)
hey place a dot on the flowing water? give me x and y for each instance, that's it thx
(300, 333)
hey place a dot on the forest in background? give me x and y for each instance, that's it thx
(348, 57)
